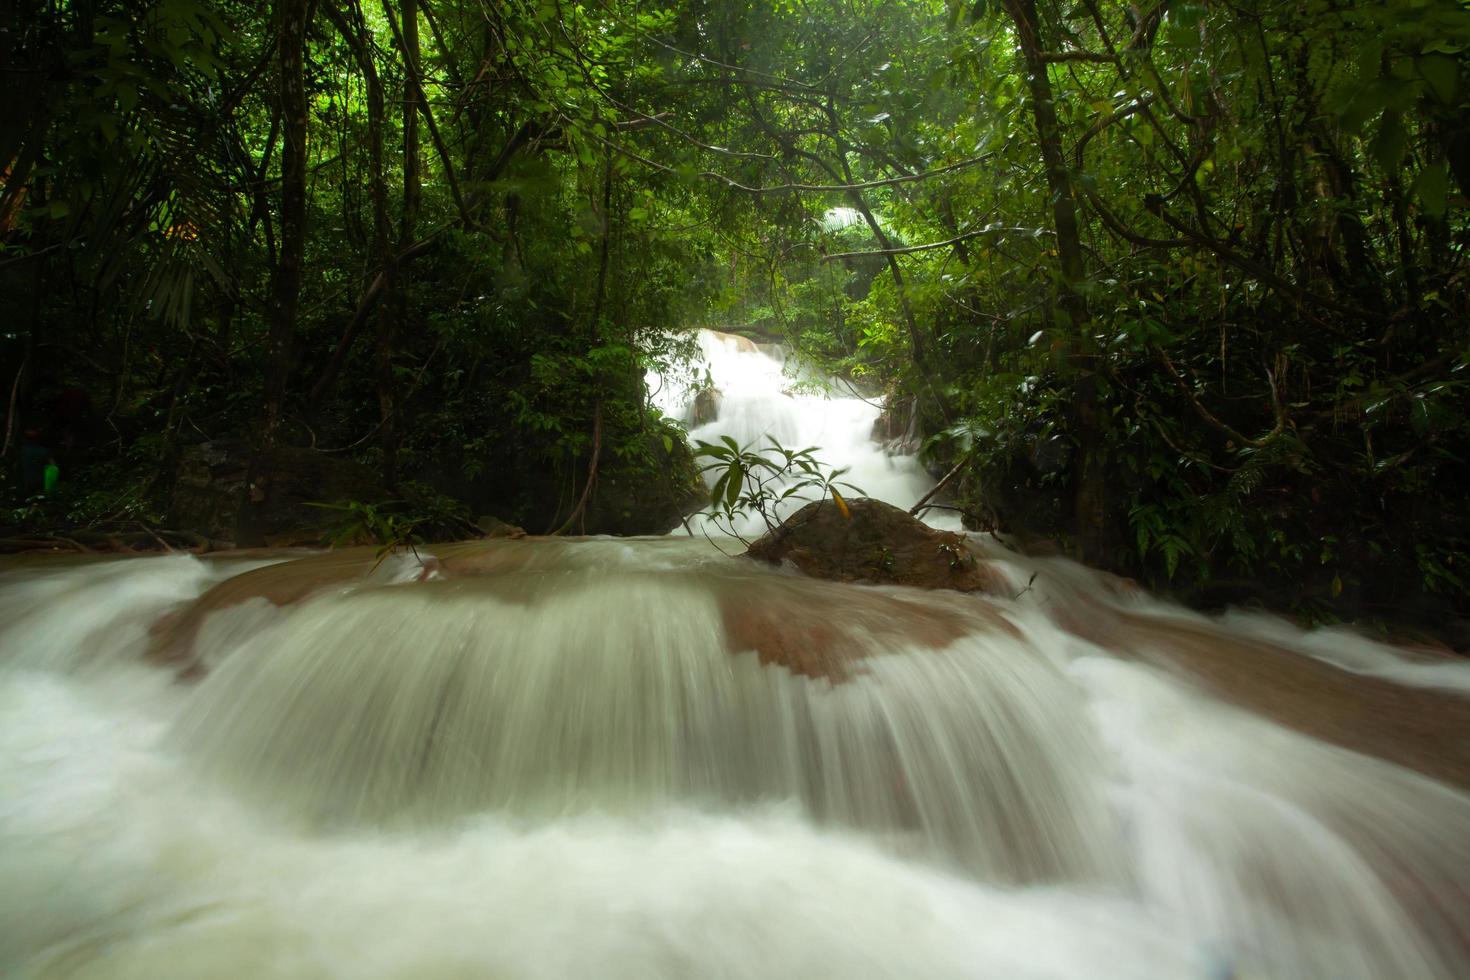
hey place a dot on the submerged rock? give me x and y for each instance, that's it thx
(866, 540)
(828, 631)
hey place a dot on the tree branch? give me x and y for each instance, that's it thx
(909, 249)
(412, 70)
(797, 188)
(365, 306)
(1058, 57)
(1260, 272)
(1277, 406)
(581, 508)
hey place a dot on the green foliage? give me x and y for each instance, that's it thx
(758, 481)
(1265, 355)
(364, 523)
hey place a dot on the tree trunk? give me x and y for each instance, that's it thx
(393, 308)
(357, 37)
(1090, 501)
(286, 282)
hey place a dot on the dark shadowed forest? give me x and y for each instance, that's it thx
(1176, 287)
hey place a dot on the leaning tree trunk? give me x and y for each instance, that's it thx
(1090, 501)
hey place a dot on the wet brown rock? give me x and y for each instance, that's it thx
(706, 407)
(897, 427)
(494, 527)
(827, 631)
(173, 636)
(869, 541)
(1419, 728)
(743, 344)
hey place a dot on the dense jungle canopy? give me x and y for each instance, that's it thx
(1180, 285)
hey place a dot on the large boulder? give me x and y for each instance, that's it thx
(866, 540)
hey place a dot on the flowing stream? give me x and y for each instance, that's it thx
(640, 758)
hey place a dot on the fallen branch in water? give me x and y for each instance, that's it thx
(953, 472)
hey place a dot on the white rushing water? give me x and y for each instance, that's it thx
(762, 397)
(641, 759)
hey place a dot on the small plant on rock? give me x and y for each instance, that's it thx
(365, 523)
(759, 481)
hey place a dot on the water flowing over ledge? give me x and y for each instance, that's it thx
(641, 758)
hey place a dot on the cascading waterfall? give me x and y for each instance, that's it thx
(758, 399)
(640, 758)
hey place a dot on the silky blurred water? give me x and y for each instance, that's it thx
(640, 758)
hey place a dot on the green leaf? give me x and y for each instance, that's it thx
(1173, 547)
(736, 483)
(1432, 187)
(718, 493)
(1443, 75)
(1391, 142)
(1366, 103)
(1419, 416)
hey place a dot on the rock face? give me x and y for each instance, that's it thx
(706, 406)
(897, 427)
(494, 527)
(651, 497)
(211, 487)
(873, 542)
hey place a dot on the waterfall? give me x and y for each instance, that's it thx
(761, 395)
(638, 758)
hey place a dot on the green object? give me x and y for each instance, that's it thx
(50, 476)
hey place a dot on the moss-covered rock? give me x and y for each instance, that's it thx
(870, 541)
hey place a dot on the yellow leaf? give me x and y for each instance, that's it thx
(841, 505)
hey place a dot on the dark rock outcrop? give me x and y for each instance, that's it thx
(897, 427)
(289, 481)
(705, 407)
(494, 527)
(869, 541)
(644, 497)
